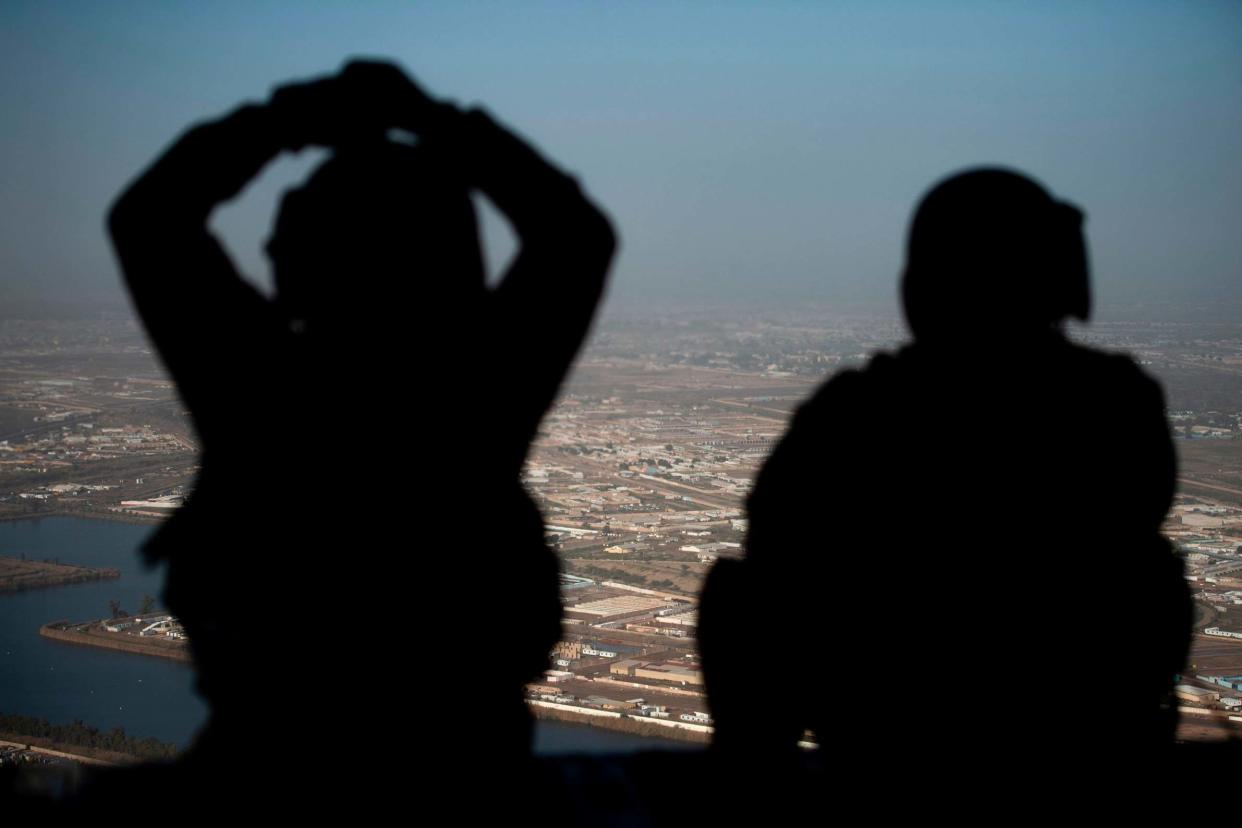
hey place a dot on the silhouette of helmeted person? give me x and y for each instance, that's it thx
(954, 569)
(358, 565)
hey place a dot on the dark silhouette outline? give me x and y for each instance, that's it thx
(316, 634)
(1061, 460)
(379, 273)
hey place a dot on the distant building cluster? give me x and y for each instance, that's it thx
(147, 626)
(87, 419)
(1216, 697)
(626, 640)
(85, 442)
(620, 606)
(1208, 533)
(641, 471)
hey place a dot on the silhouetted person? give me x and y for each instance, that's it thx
(954, 571)
(358, 567)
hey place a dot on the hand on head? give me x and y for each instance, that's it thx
(363, 102)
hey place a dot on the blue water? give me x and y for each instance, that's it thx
(62, 682)
(552, 738)
(148, 696)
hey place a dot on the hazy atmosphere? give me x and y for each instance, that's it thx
(766, 153)
(682, 513)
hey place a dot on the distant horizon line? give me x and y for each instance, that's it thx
(16, 305)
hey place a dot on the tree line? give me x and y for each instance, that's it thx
(83, 735)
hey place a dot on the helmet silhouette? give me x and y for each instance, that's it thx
(990, 250)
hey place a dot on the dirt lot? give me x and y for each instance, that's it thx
(1217, 463)
(686, 578)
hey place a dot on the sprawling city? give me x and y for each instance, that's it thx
(641, 471)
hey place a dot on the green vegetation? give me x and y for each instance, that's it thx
(82, 735)
(615, 575)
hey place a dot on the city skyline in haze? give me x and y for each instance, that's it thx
(748, 154)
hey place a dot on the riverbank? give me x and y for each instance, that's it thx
(46, 678)
(155, 696)
(106, 514)
(59, 750)
(93, 636)
(622, 723)
(80, 741)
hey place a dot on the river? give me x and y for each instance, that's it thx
(147, 696)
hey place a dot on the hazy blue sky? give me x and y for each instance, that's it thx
(766, 151)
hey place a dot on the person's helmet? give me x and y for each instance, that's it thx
(991, 252)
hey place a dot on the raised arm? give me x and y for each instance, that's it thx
(545, 302)
(198, 311)
(547, 298)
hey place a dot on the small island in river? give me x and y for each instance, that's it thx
(17, 574)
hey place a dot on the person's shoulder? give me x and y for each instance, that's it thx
(826, 424)
(832, 396)
(1115, 372)
(852, 382)
(850, 393)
